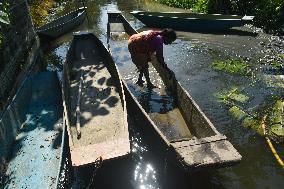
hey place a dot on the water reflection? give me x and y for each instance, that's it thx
(145, 176)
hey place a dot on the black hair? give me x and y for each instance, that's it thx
(169, 34)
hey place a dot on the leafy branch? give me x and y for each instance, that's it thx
(4, 19)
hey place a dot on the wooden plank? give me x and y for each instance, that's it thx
(104, 150)
(217, 153)
(199, 141)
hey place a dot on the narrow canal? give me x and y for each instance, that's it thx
(191, 57)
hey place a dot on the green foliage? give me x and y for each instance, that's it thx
(232, 66)
(201, 6)
(195, 5)
(39, 11)
(4, 19)
(269, 14)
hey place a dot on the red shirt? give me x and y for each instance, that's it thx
(146, 42)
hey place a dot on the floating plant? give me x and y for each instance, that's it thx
(276, 121)
(246, 119)
(231, 96)
(276, 64)
(232, 66)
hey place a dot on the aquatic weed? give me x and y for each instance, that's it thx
(275, 121)
(277, 65)
(232, 96)
(232, 66)
(247, 120)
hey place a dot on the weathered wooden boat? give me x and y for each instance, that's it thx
(198, 144)
(94, 103)
(32, 136)
(191, 21)
(63, 24)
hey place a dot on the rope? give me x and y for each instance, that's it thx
(274, 152)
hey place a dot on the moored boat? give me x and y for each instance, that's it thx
(94, 103)
(183, 130)
(63, 24)
(32, 139)
(191, 21)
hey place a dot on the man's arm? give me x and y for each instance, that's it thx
(160, 56)
(161, 60)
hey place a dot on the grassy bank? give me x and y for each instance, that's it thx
(269, 14)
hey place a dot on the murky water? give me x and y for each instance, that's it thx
(190, 57)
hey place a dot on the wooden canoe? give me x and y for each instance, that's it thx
(204, 147)
(63, 24)
(32, 136)
(94, 103)
(191, 21)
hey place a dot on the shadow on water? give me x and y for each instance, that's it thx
(234, 31)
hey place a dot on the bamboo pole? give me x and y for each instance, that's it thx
(274, 152)
(78, 109)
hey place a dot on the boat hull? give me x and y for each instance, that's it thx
(63, 24)
(97, 124)
(33, 121)
(190, 23)
(207, 149)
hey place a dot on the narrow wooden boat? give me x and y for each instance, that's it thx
(94, 103)
(32, 136)
(191, 21)
(63, 24)
(197, 144)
